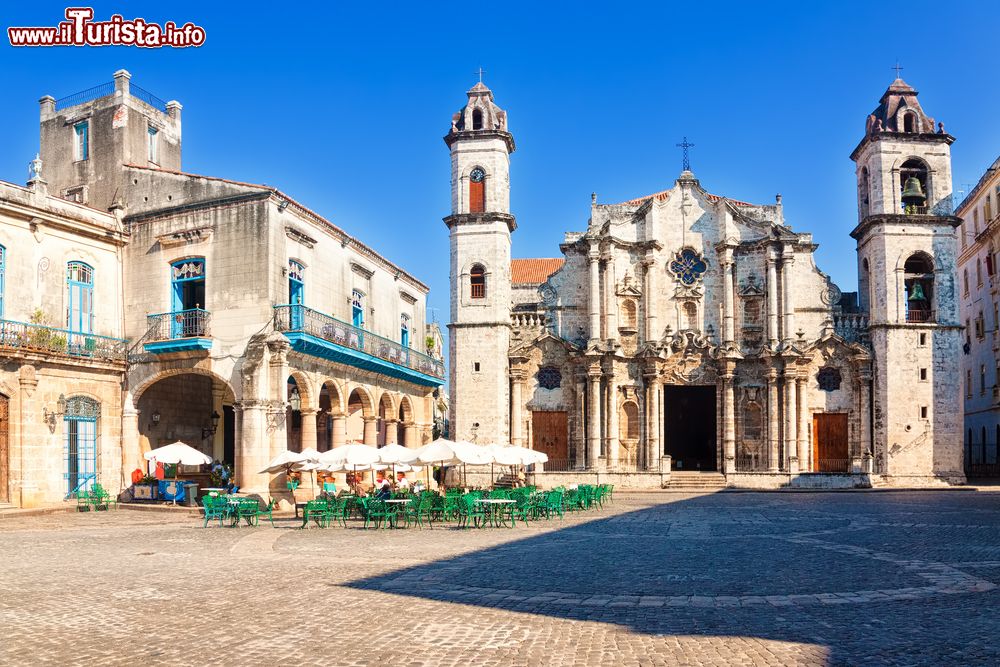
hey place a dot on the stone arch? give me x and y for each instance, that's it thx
(334, 394)
(145, 383)
(309, 395)
(406, 412)
(365, 398)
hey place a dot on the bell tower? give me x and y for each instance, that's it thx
(479, 227)
(907, 254)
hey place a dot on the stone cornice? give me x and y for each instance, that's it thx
(480, 219)
(903, 219)
(471, 135)
(905, 137)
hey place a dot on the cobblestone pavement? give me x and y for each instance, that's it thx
(905, 578)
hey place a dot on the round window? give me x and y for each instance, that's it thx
(477, 175)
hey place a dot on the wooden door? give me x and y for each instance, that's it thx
(4, 449)
(549, 434)
(830, 449)
(477, 196)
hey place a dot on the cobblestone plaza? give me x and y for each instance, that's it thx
(655, 579)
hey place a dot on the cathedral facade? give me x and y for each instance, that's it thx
(684, 331)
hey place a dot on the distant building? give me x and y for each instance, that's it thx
(255, 325)
(683, 331)
(979, 283)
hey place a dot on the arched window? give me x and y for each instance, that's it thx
(358, 308)
(864, 286)
(864, 190)
(80, 309)
(477, 119)
(965, 280)
(690, 315)
(80, 416)
(629, 428)
(909, 123)
(918, 278)
(3, 271)
(404, 330)
(477, 282)
(914, 193)
(477, 190)
(753, 422)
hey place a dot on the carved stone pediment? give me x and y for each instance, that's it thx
(752, 287)
(685, 292)
(627, 287)
(690, 342)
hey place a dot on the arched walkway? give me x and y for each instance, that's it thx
(360, 417)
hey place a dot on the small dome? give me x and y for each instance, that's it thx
(899, 111)
(480, 113)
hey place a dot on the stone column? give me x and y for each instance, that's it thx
(652, 430)
(649, 296)
(219, 437)
(253, 448)
(729, 333)
(339, 430)
(865, 437)
(658, 453)
(307, 435)
(595, 293)
(786, 280)
(277, 413)
(516, 407)
(411, 435)
(579, 434)
(773, 432)
(790, 423)
(370, 436)
(24, 454)
(131, 454)
(802, 442)
(610, 300)
(594, 420)
(772, 300)
(611, 414)
(729, 422)
(392, 431)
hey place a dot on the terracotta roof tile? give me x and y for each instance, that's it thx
(533, 271)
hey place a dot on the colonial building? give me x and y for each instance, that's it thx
(979, 282)
(62, 356)
(689, 331)
(254, 324)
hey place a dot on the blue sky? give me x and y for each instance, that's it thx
(344, 105)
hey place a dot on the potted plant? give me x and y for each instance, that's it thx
(147, 488)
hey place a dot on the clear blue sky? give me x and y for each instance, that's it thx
(343, 105)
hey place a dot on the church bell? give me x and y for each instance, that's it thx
(913, 192)
(918, 293)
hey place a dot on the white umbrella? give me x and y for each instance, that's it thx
(352, 455)
(178, 453)
(473, 454)
(283, 462)
(310, 454)
(396, 454)
(441, 451)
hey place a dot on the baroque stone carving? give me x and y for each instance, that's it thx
(549, 377)
(829, 378)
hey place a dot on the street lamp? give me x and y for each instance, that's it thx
(209, 432)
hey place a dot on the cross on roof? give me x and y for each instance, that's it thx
(480, 72)
(897, 67)
(684, 145)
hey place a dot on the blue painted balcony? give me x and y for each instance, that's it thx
(317, 334)
(179, 331)
(20, 338)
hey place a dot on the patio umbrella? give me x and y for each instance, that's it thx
(283, 462)
(178, 453)
(440, 451)
(309, 456)
(353, 457)
(396, 456)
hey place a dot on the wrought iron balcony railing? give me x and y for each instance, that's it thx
(38, 338)
(191, 323)
(293, 318)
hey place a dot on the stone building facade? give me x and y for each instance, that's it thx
(255, 325)
(687, 331)
(62, 353)
(979, 283)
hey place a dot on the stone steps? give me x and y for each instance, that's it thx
(696, 480)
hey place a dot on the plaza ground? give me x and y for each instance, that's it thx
(903, 578)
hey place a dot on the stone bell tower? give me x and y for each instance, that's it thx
(480, 226)
(907, 253)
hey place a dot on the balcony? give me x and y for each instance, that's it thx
(20, 338)
(179, 331)
(317, 334)
(920, 316)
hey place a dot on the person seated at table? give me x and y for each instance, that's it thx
(418, 486)
(402, 484)
(383, 491)
(381, 482)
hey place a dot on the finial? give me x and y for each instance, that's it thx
(35, 169)
(777, 198)
(480, 72)
(593, 197)
(897, 67)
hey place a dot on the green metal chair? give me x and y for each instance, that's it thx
(215, 507)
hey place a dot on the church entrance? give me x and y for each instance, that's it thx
(831, 452)
(689, 427)
(549, 434)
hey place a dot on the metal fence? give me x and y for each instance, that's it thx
(94, 93)
(191, 323)
(147, 97)
(25, 337)
(304, 319)
(982, 460)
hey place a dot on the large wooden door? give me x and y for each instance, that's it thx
(830, 449)
(549, 434)
(4, 449)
